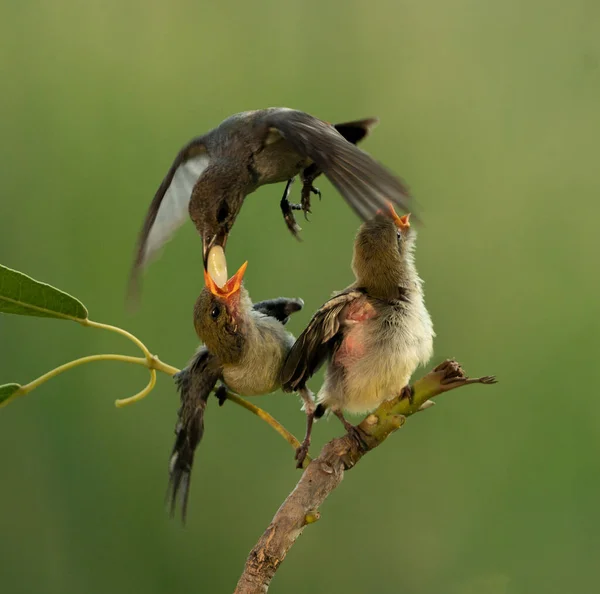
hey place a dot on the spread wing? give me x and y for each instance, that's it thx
(318, 341)
(195, 383)
(281, 308)
(365, 184)
(169, 207)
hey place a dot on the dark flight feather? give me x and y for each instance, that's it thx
(365, 184)
(194, 148)
(281, 308)
(195, 383)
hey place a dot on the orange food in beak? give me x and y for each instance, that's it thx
(401, 222)
(230, 288)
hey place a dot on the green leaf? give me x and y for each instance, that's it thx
(21, 294)
(6, 391)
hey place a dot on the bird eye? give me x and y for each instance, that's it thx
(398, 235)
(214, 312)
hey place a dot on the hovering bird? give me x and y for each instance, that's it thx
(245, 346)
(373, 334)
(212, 175)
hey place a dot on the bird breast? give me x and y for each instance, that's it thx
(278, 162)
(259, 371)
(379, 352)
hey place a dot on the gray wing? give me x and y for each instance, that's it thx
(319, 341)
(365, 184)
(169, 208)
(281, 308)
(195, 383)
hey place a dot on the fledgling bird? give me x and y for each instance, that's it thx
(245, 346)
(373, 334)
(212, 175)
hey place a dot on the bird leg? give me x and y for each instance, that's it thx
(287, 207)
(352, 430)
(308, 176)
(309, 408)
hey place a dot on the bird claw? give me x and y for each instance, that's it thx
(356, 433)
(221, 394)
(408, 392)
(293, 226)
(287, 209)
(301, 453)
(307, 189)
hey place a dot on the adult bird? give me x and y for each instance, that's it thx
(212, 175)
(373, 334)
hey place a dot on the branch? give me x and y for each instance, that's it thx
(153, 363)
(326, 472)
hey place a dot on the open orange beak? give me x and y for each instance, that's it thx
(401, 222)
(230, 288)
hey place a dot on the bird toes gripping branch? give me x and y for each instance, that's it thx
(302, 452)
(408, 392)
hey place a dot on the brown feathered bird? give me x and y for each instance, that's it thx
(245, 346)
(212, 175)
(373, 334)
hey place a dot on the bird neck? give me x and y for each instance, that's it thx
(244, 329)
(388, 277)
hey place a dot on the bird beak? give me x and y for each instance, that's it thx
(401, 222)
(213, 256)
(229, 288)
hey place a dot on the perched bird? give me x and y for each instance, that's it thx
(373, 334)
(212, 175)
(245, 346)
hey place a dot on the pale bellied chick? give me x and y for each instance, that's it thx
(375, 333)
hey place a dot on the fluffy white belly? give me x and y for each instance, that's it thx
(361, 377)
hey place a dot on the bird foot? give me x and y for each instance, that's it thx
(307, 190)
(302, 452)
(309, 408)
(287, 209)
(354, 431)
(407, 392)
(221, 394)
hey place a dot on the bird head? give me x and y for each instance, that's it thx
(383, 252)
(214, 208)
(219, 316)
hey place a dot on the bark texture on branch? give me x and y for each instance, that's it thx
(326, 472)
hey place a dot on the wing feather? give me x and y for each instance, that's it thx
(281, 308)
(195, 383)
(365, 184)
(318, 341)
(169, 208)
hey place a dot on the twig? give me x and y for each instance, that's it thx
(326, 472)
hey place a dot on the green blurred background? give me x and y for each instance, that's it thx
(490, 111)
